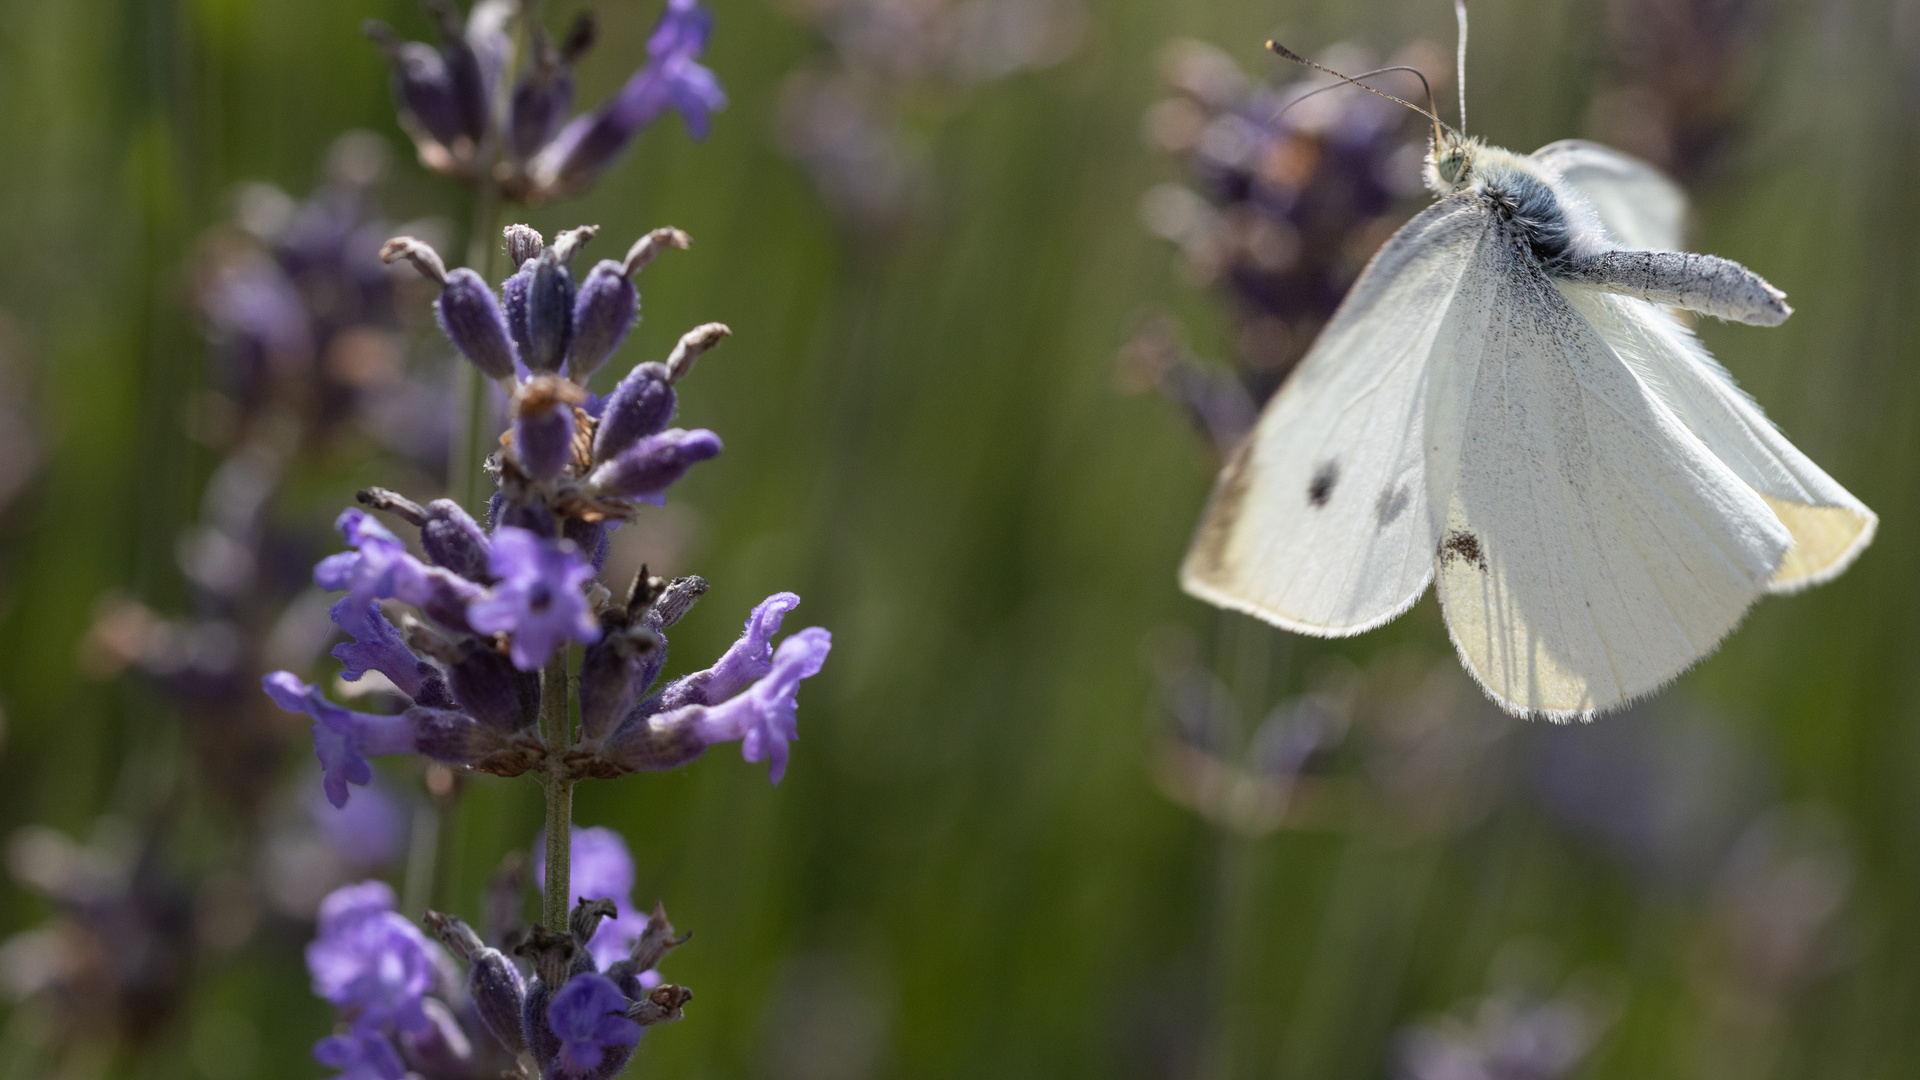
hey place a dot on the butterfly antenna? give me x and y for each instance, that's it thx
(1417, 73)
(1282, 51)
(1460, 60)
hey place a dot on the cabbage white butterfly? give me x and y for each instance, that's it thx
(1505, 406)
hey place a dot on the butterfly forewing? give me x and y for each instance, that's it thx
(1591, 548)
(1320, 521)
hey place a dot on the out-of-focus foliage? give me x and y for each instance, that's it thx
(1048, 817)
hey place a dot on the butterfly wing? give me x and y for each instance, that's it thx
(1638, 206)
(1830, 527)
(1591, 547)
(1319, 522)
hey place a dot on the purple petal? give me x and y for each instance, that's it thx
(745, 660)
(377, 647)
(589, 1017)
(765, 717)
(538, 598)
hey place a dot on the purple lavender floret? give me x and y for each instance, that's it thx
(672, 79)
(359, 1057)
(647, 469)
(589, 1014)
(376, 647)
(765, 717)
(750, 696)
(538, 599)
(370, 963)
(748, 658)
(342, 739)
(378, 567)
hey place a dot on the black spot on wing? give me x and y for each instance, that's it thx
(1460, 545)
(1320, 488)
(1391, 504)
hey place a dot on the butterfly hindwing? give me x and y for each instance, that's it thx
(1591, 548)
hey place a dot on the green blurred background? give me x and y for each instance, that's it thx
(974, 867)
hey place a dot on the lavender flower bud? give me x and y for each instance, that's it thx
(646, 470)
(538, 1034)
(540, 105)
(692, 343)
(640, 406)
(614, 672)
(549, 314)
(463, 68)
(523, 242)
(604, 310)
(513, 293)
(474, 323)
(592, 537)
(451, 538)
(492, 981)
(491, 690)
(455, 738)
(421, 83)
(543, 425)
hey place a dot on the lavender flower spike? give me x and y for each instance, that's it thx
(765, 718)
(343, 740)
(538, 599)
(672, 79)
(589, 1014)
(652, 465)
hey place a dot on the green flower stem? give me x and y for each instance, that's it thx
(556, 731)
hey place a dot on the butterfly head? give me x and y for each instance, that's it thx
(1450, 162)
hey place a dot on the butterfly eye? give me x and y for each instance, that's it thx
(1451, 166)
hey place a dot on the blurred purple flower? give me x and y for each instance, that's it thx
(602, 869)
(538, 599)
(369, 831)
(360, 1057)
(672, 79)
(369, 962)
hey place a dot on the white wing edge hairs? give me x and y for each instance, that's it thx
(1506, 406)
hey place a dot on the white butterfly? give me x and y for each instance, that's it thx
(1505, 406)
